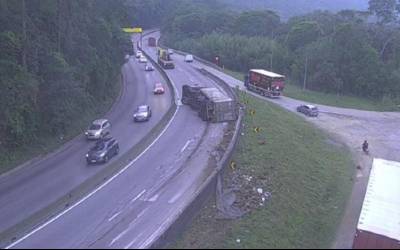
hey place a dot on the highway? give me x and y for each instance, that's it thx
(34, 187)
(134, 207)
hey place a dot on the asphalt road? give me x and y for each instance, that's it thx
(34, 187)
(135, 206)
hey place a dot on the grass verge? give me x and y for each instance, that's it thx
(307, 175)
(295, 92)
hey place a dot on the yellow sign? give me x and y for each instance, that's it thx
(257, 129)
(133, 30)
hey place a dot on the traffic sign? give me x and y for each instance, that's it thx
(133, 30)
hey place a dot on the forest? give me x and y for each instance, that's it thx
(59, 61)
(346, 53)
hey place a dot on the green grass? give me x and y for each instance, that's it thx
(296, 92)
(308, 174)
(45, 143)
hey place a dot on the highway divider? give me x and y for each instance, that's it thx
(16, 232)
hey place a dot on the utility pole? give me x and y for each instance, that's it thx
(272, 49)
(305, 74)
(24, 35)
(272, 56)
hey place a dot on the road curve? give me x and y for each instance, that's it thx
(34, 187)
(134, 207)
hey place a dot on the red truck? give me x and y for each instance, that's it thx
(265, 83)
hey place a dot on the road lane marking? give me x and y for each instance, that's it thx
(138, 196)
(118, 237)
(114, 216)
(97, 189)
(186, 145)
(154, 235)
(176, 197)
(133, 241)
(154, 198)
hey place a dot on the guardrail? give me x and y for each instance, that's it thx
(10, 235)
(208, 187)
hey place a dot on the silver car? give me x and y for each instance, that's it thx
(98, 130)
(143, 113)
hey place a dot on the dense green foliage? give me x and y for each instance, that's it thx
(343, 53)
(59, 60)
(290, 8)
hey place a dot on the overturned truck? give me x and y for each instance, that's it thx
(212, 105)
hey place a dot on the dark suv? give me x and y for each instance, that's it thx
(103, 151)
(308, 110)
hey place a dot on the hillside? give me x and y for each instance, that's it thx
(297, 7)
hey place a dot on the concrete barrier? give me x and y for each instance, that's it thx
(207, 189)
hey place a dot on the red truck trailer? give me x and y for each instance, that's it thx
(265, 83)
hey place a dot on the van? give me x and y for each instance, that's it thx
(189, 58)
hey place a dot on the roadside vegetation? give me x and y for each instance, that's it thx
(343, 101)
(307, 177)
(59, 68)
(349, 53)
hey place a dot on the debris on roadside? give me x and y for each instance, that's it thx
(243, 194)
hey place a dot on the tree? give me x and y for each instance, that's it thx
(385, 10)
(256, 23)
(303, 33)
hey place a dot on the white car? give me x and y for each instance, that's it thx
(149, 67)
(139, 54)
(143, 59)
(189, 58)
(170, 51)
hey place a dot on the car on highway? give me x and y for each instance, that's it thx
(103, 151)
(98, 129)
(143, 59)
(148, 67)
(139, 54)
(158, 89)
(142, 113)
(308, 110)
(170, 51)
(189, 58)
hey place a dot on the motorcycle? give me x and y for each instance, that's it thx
(365, 148)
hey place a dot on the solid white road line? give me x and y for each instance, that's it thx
(186, 145)
(138, 196)
(133, 241)
(97, 189)
(118, 237)
(114, 216)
